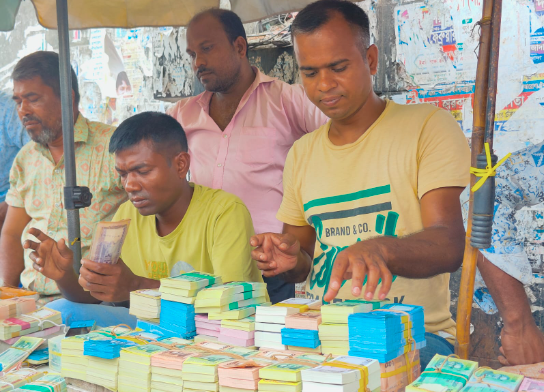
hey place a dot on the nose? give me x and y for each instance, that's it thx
(131, 184)
(326, 81)
(198, 61)
(23, 109)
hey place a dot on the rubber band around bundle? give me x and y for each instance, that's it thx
(363, 370)
(480, 380)
(42, 322)
(7, 383)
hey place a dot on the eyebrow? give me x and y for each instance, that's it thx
(137, 167)
(330, 65)
(24, 96)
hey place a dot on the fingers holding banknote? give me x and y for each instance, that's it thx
(51, 258)
(361, 262)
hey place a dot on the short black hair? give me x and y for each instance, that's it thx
(163, 131)
(45, 65)
(315, 15)
(231, 22)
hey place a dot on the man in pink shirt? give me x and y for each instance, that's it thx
(240, 129)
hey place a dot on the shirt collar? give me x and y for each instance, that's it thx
(260, 78)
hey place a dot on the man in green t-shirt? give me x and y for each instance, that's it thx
(175, 227)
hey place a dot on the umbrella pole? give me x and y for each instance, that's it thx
(68, 131)
(482, 131)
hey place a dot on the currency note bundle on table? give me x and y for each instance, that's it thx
(238, 332)
(306, 323)
(26, 324)
(18, 378)
(240, 375)
(18, 352)
(399, 372)
(270, 320)
(489, 380)
(387, 333)
(285, 376)
(135, 367)
(146, 304)
(531, 385)
(204, 326)
(48, 382)
(17, 306)
(230, 296)
(166, 369)
(444, 374)
(55, 353)
(200, 373)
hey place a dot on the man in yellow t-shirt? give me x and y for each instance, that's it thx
(175, 227)
(373, 194)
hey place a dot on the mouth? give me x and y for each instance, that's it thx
(139, 202)
(30, 123)
(331, 101)
(202, 74)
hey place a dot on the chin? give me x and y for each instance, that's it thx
(146, 211)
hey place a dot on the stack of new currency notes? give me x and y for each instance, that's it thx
(166, 370)
(283, 376)
(18, 378)
(238, 332)
(531, 385)
(18, 352)
(387, 333)
(55, 350)
(146, 304)
(179, 318)
(135, 367)
(307, 322)
(14, 307)
(200, 372)
(38, 357)
(270, 320)
(400, 372)
(230, 296)
(29, 323)
(336, 375)
(444, 374)
(49, 382)
(209, 328)
(488, 380)
(240, 376)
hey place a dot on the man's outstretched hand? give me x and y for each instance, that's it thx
(275, 253)
(51, 258)
(361, 260)
(522, 344)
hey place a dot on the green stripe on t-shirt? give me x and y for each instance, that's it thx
(379, 190)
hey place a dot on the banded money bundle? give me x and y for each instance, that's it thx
(135, 367)
(108, 241)
(387, 333)
(18, 378)
(146, 304)
(531, 385)
(338, 312)
(238, 332)
(18, 352)
(488, 380)
(230, 296)
(204, 326)
(74, 364)
(29, 323)
(200, 373)
(300, 337)
(283, 376)
(444, 374)
(239, 375)
(399, 372)
(184, 288)
(305, 321)
(179, 318)
(14, 307)
(55, 353)
(166, 370)
(49, 382)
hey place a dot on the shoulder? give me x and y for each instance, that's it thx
(218, 199)
(26, 153)
(100, 129)
(183, 104)
(309, 140)
(422, 111)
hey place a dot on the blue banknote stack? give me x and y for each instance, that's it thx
(300, 337)
(179, 318)
(387, 333)
(105, 348)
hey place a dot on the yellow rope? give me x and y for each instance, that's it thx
(489, 171)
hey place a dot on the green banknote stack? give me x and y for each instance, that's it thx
(488, 380)
(135, 367)
(444, 374)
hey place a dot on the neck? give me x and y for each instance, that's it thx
(168, 220)
(56, 147)
(238, 89)
(349, 129)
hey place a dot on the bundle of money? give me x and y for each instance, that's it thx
(310, 319)
(17, 306)
(154, 328)
(185, 287)
(200, 372)
(166, 369)
(269, 321)
(300, 337)
(489, 380)
(107, 348)
(18, 378)
(73, 363)
(334, 375)
(29, 323)
(108, 241)
(221, 296)
(444, 374)
(18, 352)
(237, 314)
(103, 372)
(286, 374)
(146, 304)
(334, 339)
(338, 312)
(238, 332)
(207, 327)
(387, 333)
(48, 382)
(531, 385)
(135, 367)
(240, 375)
(179, 318)
(400, 372)
(38, 357)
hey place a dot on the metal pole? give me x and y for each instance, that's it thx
(68, 130)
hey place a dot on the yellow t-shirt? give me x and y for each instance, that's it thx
(373, 187)
(212, 237)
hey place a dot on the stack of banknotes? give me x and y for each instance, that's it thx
(74, 364)
(135, 367)
(14, 307)
(48, 382)
(338, 312)
(185, 287)
(531, 385)
(238, 332)
(105, 347)
(18, 378)
(146, 304)
(306, 338)
(29, 323)
(270, 320)
(399, 372)
(179, 318)
(387, 333)
(166, 369)
(230, 297)
(488, 380)
(284, 376)
(344, 374)
(204, 326)
(309, 321)
(240, 375)
(55, 350)
(200, 372)
(444, 374)
(18, 352)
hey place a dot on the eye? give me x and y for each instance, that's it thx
(310, 74)
(340, 69)
(207, 48)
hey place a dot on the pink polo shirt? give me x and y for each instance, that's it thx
(247, 158)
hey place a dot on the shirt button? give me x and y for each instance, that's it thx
(219, 165)
(225, 136)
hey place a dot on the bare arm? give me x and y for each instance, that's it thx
(12, 261)
(522, 341)
(3, 212)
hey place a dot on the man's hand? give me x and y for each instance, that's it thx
(363, 259)
(53, 259)
(275, 253)
(108, 282)
(522, 344)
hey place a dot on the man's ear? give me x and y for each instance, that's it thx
(240, 45)
(182, 162)
(372, 54)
